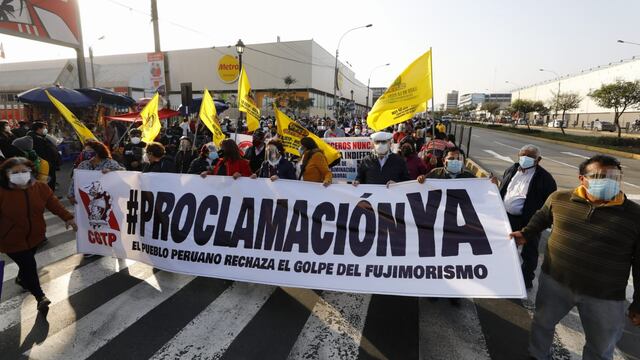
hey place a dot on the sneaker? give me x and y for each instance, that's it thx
(43, 303)
(18, 282)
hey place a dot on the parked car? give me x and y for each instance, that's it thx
(604, 126)
(556, 123)
(522, 122)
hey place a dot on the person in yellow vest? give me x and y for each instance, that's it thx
(25, 144)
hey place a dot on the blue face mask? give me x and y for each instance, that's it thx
(213, 155)
(526, 162)
(454, 166)
(603, 189)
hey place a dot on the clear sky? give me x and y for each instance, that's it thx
(477, 45)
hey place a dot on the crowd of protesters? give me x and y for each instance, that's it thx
(594, 243)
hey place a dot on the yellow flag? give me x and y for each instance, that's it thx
(246, 102)
(407, 95)
(150, 121)
(84, 134)
(209, 117)
(290, 133)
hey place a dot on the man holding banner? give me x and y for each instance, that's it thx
(382, 166)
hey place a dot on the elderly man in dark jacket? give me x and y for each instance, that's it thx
(382, 166)
(525, 187)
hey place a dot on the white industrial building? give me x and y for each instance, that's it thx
(583, 83)
(267, 66)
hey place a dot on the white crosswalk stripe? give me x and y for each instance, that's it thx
(334, 326)
(103, 324)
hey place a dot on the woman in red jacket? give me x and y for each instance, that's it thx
(22, 225)
(231, 164)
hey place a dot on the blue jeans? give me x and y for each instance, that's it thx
(603, 320)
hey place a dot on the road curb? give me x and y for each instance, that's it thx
(476, 169)
(618, 153)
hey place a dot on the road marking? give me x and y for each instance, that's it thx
(498, 156)
(509, 146)
(210, 333)
(334, 329)
(630, 184)
(22, 306)
(633, 196)
(574, 154)
(560, 162)
(44, 258)
(79, 340)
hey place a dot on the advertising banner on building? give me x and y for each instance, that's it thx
(444, 238)
(54, 22)
(352, 151)
(155, 71)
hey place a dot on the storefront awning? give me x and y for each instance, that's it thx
(135, 116)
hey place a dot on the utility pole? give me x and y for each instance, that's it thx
(156, 39)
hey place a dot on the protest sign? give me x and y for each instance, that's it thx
(442, 238)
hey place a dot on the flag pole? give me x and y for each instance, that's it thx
(433, 117)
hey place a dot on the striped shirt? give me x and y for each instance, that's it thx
(592, 247)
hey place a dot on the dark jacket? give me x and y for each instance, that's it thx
(7, 149)
(541, 186)
(441, 173)
(199, 165)
(284, 170)
(394, 169)
(45, 149)
(255, 158)
(165, 165)
(184, 159)
(133, 154)
(415, 166)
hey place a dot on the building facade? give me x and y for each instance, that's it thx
(474, 99)
(584, 83)
(308, 68)
(452, 100)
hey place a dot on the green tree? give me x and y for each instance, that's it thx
(619, 96)
(491, 107)
(523, 106)
(565, 102)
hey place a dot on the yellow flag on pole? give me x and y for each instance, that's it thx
(246, 102)
(84, 134)
(209, 117)
(407, 95)
(150, 121)
(290, 133)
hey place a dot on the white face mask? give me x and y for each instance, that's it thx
(45, 131)
(135, 140)
(20, 179)
(357, 131)
(381, 149)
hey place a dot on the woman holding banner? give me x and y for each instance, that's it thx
(22, 204)
(275, 166)
(314, 166)
(98, 158)
(232, 163)
(207, 157)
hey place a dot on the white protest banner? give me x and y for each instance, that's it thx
(442, 238)
(353, 150)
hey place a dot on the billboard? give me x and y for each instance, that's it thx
(55, 22)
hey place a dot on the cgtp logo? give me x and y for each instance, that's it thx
(98, 205)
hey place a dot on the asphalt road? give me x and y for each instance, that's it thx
(496, 151)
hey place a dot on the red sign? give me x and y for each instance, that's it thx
(53, 21)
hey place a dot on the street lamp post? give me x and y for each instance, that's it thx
(93, 74)
(512, 83)
(239, 49)
(335, 69)
(628, 42)
(369, 82)
(557, 95)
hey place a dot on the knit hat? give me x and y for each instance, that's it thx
(24, 143)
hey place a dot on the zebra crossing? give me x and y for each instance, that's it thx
(107, 308)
